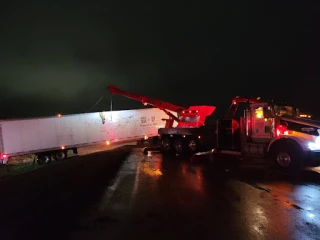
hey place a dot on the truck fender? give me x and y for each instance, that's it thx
(293, 139)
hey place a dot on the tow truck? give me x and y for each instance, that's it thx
(182, 132)
(270, 129)
(267, 129)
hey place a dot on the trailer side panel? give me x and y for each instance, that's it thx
(44, 134)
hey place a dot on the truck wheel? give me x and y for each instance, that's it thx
(166, 145)
(192, 144)
(288, 158)
(43, 159)
(178, 146)
(61, 155)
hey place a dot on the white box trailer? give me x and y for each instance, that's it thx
(50, 138)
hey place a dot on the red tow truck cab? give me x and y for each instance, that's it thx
(272, 130)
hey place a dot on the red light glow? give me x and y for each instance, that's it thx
(282, 130)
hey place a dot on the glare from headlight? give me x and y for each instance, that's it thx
(314, 145)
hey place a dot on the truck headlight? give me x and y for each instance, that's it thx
(314, 145)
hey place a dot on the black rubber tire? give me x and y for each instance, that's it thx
(293, 151)
(166, 145)
(192, 145)
(179, 146)
(43, 159)
(61, 155)
(53, 156)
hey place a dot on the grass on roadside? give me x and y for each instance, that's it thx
(12, 170)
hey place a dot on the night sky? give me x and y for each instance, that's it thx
(59, 56)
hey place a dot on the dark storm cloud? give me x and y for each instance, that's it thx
(51, 48)
(61, 55)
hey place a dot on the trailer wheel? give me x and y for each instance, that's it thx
(166, 145)
(53, 156)
(61, 155)
(43, 159)
(179, 145)
(287, 157)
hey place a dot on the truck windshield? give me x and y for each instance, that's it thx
(285, 111)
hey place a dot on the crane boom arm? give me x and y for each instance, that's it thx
(191, 117)
(147, 101)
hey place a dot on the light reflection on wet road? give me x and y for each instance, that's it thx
(164, 197)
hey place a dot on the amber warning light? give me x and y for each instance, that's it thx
(305, 116)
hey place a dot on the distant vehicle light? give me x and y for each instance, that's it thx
(62, 147)
(108, 142)
(59, 115)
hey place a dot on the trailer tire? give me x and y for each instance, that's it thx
(60, 155)
(287, 156)
(43, 159)
(53, 156)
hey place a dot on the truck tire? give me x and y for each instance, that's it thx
(192, 145)
(179, 146)
(287, 157)
(166, 145)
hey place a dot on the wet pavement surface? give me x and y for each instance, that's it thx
(162, 197)
(46, 203)
(165, 198)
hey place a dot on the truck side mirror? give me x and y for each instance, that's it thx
(268, 112)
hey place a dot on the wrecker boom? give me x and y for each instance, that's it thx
(164, 106)
(200, 112)
(146, 100)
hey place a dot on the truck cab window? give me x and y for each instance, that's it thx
(285, 111)
(268, 112)
(259, 112)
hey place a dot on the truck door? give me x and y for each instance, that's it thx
(224, 134)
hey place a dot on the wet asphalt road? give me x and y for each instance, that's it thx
(166, 198)
(46, 203)
(114, 195)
